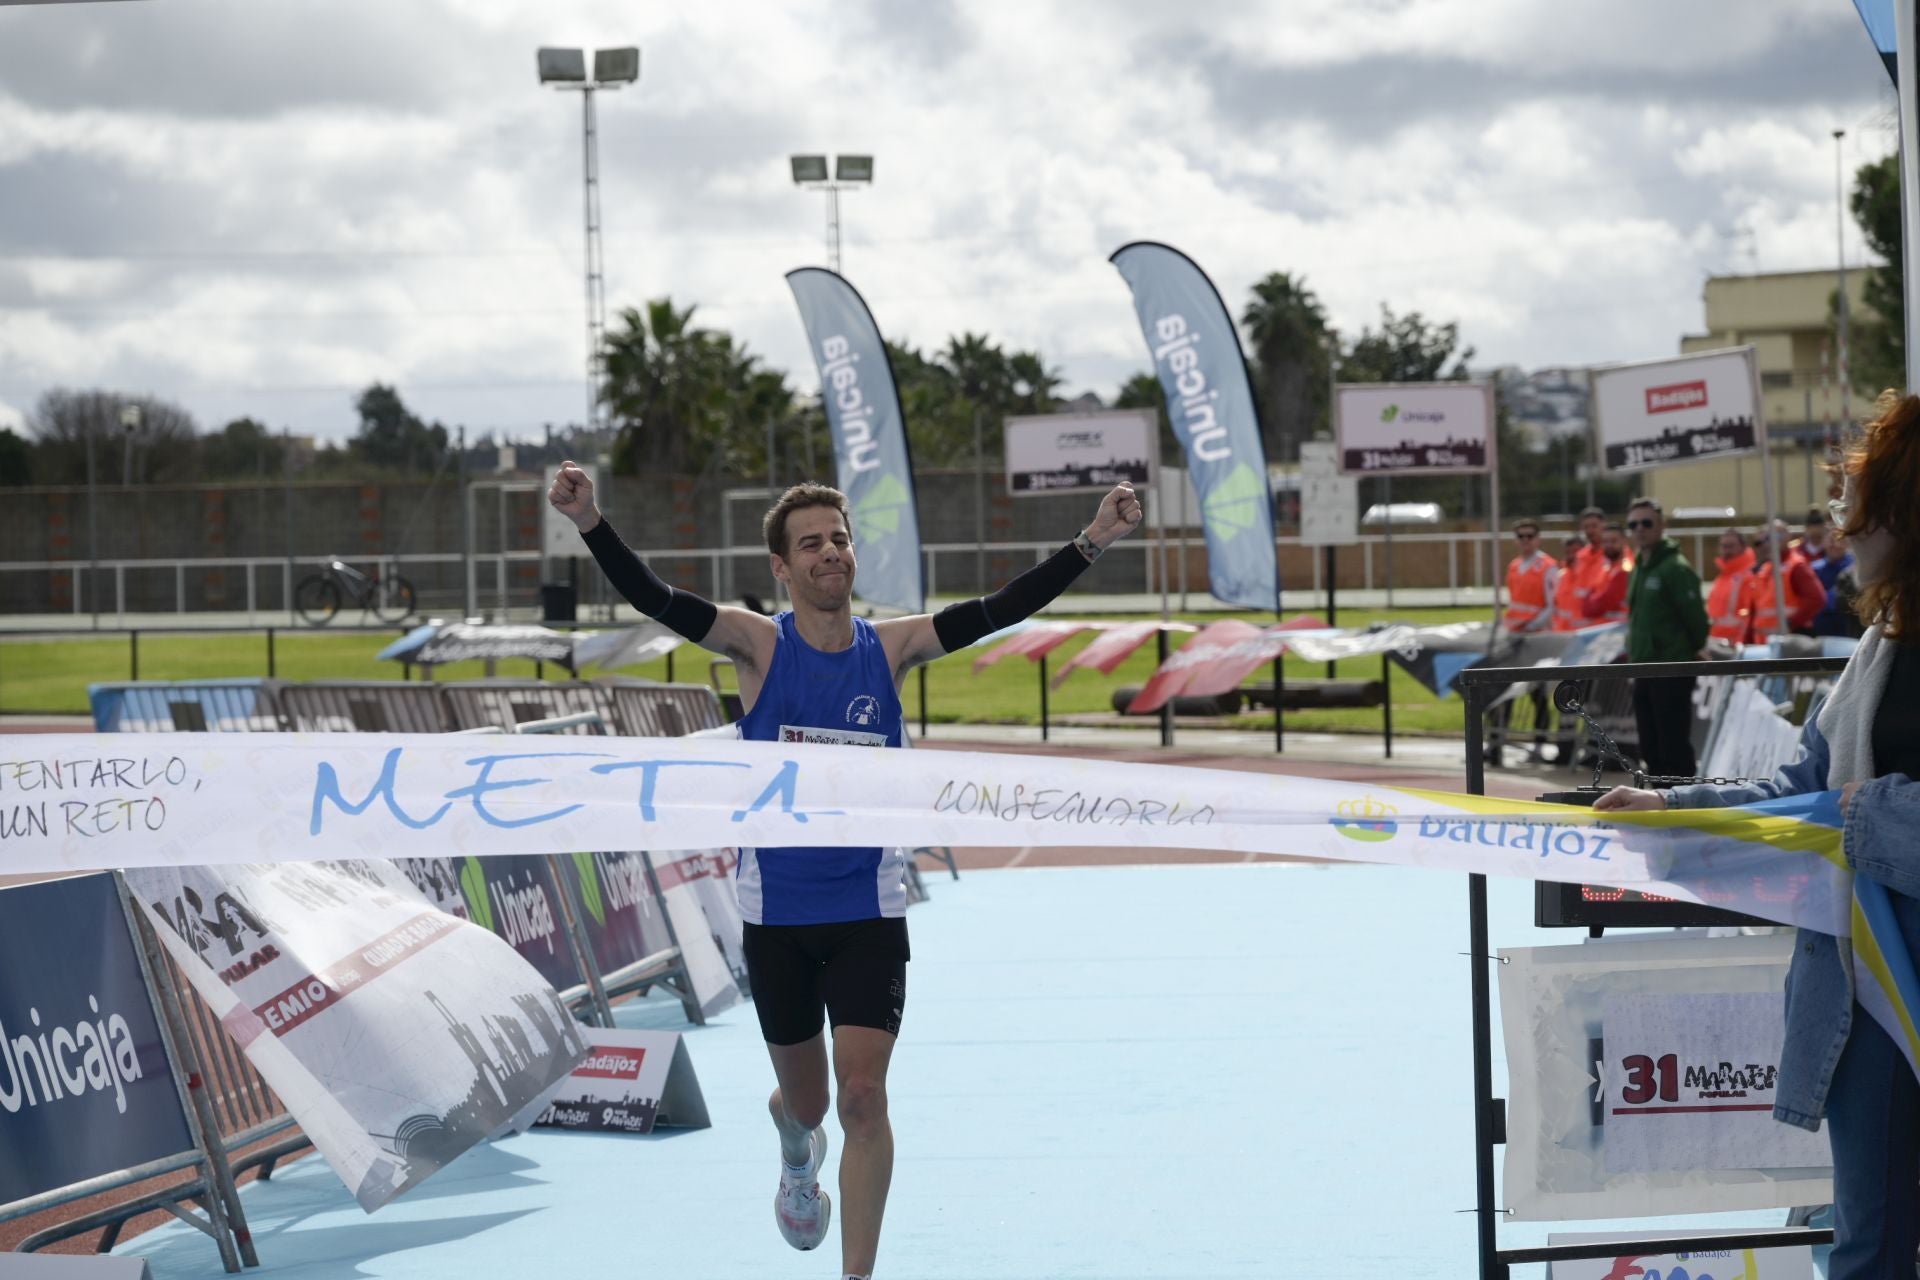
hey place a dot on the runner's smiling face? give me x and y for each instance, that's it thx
(818, 567)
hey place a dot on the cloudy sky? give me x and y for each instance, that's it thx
(259, 206)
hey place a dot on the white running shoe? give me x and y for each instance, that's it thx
(800, 1208)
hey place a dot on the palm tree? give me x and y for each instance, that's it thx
(1032, 383)
(1287, 328)
(667, 384)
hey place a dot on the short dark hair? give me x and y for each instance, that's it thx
(1730, 530)
(1593, 511)
(1613, 526)
(1816, 516)
(1526, 524)
(1652, 504)
(799, 498)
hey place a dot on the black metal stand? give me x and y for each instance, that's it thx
(1478, 685)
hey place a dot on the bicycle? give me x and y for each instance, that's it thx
(318, 598)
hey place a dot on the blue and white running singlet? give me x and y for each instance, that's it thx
(844, 698)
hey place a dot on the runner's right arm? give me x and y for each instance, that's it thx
(740, 634)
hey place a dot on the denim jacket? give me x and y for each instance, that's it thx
(1882, 841)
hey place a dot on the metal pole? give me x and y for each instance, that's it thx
(1333, 567)
(286, 490)
(1387, 506)
(1767, 484)
(1166, 708)
(466, 532)
(1484, 1124)
(93, 537)
(1840, 242)
(1043, 697)
(1908, 68)
(1184, 481)
(590, 169)
(833, 225)
(1386, 706)
(979, 504)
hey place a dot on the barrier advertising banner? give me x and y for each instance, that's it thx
(84, 1085)
(397, 1035)
(873, 463)
(624, 923)
(1196, 354)
(1658, 412)
(1422, 428)
(1783, 1262)
(1081, 452)
(698, 887)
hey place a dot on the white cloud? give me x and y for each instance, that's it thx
(403, 203)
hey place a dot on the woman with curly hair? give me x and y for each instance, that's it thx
(1838, 1063)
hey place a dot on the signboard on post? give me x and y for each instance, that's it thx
(1329, 501)
(1417, 428)
(1080, 452)
(1655, 413)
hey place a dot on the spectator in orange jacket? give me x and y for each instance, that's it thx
(1607, 595)
(1569, 589)
(1805, 597)
(1726, 601)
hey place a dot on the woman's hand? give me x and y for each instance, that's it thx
(1635, 798)
(1846, 795)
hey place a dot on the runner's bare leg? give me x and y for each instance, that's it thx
(799, 1103)
(860, 1058)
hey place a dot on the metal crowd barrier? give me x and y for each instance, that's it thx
(363, 706)
(1479, 686)
(198, 1078)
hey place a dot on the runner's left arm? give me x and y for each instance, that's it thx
(926, 636)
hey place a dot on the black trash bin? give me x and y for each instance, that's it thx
(558, 601)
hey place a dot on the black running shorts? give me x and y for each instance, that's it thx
(855, 972)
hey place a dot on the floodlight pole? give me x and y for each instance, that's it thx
(1840, 256)
(596, 279)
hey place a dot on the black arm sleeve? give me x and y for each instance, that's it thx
(959, 625)
(682, 611)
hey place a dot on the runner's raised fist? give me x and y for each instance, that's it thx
(572, 496)
(1118, 516)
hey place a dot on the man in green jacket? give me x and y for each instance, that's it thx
(1666, 622)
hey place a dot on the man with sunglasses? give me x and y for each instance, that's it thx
(1666, 622)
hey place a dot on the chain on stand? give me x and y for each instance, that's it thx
(1569, 696)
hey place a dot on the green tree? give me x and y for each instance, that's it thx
(1877, 353)
(16, 459)
(1143, 391)
(667, 386)
(1287, 328)
(243, 448)
(391, 437)
(1406, 348)
(160, 447)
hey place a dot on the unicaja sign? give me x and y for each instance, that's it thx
(842, 382)
(1196, 418)
(45, 1064)
(1680, 395)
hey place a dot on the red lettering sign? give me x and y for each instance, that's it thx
(612, 1064)
(1680, 395)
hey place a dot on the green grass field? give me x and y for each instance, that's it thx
(51, 676)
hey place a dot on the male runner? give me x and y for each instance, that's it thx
(825, 928)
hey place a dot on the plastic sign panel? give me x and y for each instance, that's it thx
(1329, 501)
(1659, 412)
(1080, 452)
(1426, 428)
(629, 1082)
(85, 1088)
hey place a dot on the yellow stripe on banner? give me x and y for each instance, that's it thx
(1789, 835)
(1866, 947)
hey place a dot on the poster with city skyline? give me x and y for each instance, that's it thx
(1079, 452)
(1655, 413)
(397, 1035)
(1422, 428)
